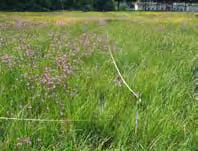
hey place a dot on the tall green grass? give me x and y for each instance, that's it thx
(62, 70)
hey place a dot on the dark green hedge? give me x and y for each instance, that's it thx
(48, 5)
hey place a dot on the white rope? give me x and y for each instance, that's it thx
(123, 80)
(39, 120)
(137, 96)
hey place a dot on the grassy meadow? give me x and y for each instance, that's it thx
(56, 65)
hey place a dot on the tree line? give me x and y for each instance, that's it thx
(49, 5)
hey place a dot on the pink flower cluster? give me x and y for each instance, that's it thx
(60, 76)
(48, 80)
(29, 53)
(63, 65)
(6, 58)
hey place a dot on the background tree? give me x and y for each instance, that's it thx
(47, 5)
(121, 1)
(104, 5)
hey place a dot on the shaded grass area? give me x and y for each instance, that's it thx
(59, 70)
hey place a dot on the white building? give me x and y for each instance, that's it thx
(192, 8)
(154, 6)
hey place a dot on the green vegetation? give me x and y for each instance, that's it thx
(57, 66)
(47, 5)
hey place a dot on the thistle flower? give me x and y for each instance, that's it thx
(60, 23)
(7, 59)
(47, 80)
(118, 81)
(23, 141)
(29, 53)
(50, 81)
(63, 64)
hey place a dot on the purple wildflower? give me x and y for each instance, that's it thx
(7, 59)
(63, 64)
